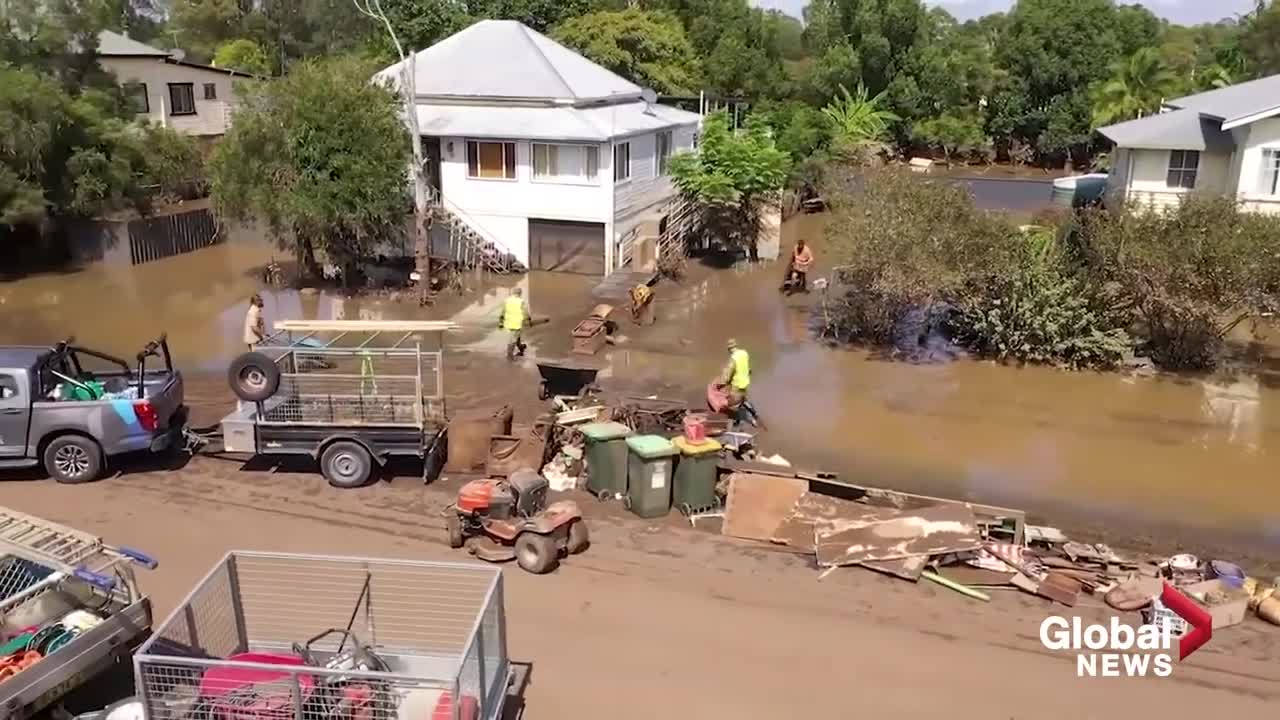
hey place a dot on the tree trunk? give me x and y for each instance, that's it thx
(421, 189)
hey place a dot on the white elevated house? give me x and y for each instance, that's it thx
(192, 99)
(1224, 141)
(540, 152)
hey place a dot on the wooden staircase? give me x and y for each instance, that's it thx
(467, 246)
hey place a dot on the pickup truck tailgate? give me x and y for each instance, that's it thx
(166, 394)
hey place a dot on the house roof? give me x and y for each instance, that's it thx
(593, 124)
(1173, 130)
(115, 44)
(505, 60)
(1236, 104)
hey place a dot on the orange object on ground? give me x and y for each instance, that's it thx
(717, 398)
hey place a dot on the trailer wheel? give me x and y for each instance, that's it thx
(73, 459)
(579, 539)
(346, 464)
(536, 553)
(453, 526)
(253, 377)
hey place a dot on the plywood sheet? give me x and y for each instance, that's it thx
(756, 504)
(893, 534)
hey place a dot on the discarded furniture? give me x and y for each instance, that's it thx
(606, 453)
(589, 336)
(524, 448)
(468, 438)
(693, 488)
(565, 378)
(649, 465)
(642, 305)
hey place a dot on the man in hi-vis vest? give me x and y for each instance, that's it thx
(736, 378)
(515, 313)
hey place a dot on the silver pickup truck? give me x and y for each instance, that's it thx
(71, 409)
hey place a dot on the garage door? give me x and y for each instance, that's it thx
(563, 246)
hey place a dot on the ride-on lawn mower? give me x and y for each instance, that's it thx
(500, 520)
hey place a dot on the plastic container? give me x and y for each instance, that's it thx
(649, 466)
(1230, 574)
(693, 488)
(606, 453)
(695, 428)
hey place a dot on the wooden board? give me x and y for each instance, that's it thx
(893, 534)
(756, 504)
(365, 325)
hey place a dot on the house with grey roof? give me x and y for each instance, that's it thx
(1224, 141)
(167, 90)
(542, 153)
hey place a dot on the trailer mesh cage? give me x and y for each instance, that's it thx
(264, 636)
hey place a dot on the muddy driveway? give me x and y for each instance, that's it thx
(1187, 460)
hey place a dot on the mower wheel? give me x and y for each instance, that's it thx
(453, 524)
(536, 553)
(579, 539)
(543, 392)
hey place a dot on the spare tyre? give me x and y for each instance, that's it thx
(253, 377)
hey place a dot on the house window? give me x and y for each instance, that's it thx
(664, 151)
(1183, 165)
(566, 163)
(491, 160)
(136, 95)
(1269, 184)
(210, 91)
(622, 162)
(182, 99)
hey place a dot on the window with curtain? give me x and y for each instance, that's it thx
(1183, 165)
(182, 99)
(664, 151)
(622, 162)
(491, 160)
(565, 163)
(1269, 181)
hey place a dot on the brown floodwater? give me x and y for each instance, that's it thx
(1124, 453)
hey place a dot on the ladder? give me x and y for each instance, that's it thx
(467, 247)
(45, 540)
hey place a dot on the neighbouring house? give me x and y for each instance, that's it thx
(540, 152)
(192, 99)
(1224, 141)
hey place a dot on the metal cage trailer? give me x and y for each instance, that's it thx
(269, 636)
(349, 393)
(70, 608)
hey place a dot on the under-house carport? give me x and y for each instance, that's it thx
(564, 246)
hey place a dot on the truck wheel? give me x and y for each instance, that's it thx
(346, 464)
(253, 377)
(579, 539)
(453, 525)
(73, 459)
(536, 553)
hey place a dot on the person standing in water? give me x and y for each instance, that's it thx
(798, 270)
(255, 327)
(515, 313)
(736, 379)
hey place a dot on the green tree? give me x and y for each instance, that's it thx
(1260, 40)
(320, 155)
(860, 123)
(1137, 87)
(953, 134)
(243, 55)
(880, 34)
(732, 178)
(648, 48)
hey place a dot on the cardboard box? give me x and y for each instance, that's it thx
(1226, 613)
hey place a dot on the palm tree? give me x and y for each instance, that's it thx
(860, 122)
(1137, 87)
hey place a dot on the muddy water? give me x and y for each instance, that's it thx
(1123, 453)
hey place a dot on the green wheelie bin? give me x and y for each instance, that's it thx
(693, 488)
(649, 466)
(606, 453)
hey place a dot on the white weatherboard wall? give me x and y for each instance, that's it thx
(1147, 173)
(1250, 143)
(500, 209)
(646, 188)
(212, 117)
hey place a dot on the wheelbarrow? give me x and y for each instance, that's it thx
(564, 378)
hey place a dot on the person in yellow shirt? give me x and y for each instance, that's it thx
(736, 379)
(515, 314)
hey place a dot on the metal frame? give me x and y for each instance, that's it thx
(441, 627)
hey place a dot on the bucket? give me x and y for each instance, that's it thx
(695, 428)
(1230, 574)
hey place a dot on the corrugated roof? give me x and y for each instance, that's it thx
(1174, 130)
(112, 43)
(505, 59)
(597, 124)
(1235, 102)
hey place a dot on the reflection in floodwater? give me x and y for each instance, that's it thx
(1109, 447)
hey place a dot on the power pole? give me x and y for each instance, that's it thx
(421, 190)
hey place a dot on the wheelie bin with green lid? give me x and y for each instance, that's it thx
(693, 489)
(649, 466)
(606, 453)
